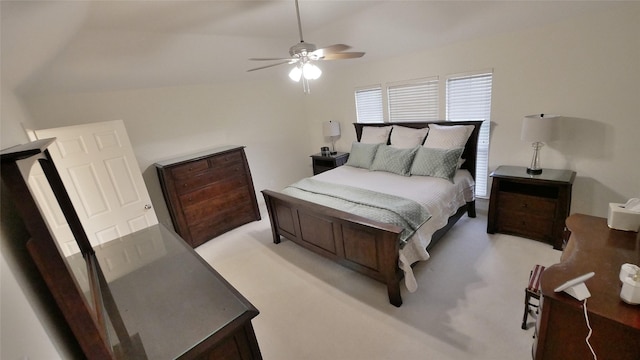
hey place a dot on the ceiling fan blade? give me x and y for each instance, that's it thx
(268, 66)
(334, 48)
(269, 59)
(344, 55)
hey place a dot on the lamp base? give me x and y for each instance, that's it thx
(534, 171)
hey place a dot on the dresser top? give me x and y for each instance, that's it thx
(165, 293)
(593, 246)
(198, 155)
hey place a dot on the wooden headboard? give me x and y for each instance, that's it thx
(470, 150)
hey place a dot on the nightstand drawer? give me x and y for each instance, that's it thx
(526, 204)
(525, 225)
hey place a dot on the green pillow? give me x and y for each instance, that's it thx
(362, 155)
(394, 160)
(441, 163)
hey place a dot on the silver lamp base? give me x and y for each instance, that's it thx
(535, 168)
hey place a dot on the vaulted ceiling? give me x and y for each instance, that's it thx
(50, 46)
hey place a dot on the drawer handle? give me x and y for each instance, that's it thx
(525, 205)
(184, 185)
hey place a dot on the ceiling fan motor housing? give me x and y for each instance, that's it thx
(302, 49)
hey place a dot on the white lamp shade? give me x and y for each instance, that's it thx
(331, 128)
(538, 128)
(295, 74)
(310, 71)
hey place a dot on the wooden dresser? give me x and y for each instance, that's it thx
(208, 193)
(561, 329)
(531, 206)
(162, 301)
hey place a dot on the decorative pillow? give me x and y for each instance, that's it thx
(406, 138)
(441, 163)
(397, 161)
(375, 134)
(362, 155)
(448, 137)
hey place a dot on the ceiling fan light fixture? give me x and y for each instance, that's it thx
(295, 74)
(303, 54)
(310, 71)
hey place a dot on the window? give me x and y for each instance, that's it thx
(369, 105)
(469, 98)
(413, 101)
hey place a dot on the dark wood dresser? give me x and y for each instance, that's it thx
(161, 301)
(208, 193)
(531, 206)
(561, 328)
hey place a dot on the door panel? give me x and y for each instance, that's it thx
(101, 174)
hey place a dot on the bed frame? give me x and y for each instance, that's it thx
(366, 246)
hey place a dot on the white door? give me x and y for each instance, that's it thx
(103, 179)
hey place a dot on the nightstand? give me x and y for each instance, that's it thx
(324, 163)
(531, 206)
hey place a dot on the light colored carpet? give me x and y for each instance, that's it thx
(468, 305)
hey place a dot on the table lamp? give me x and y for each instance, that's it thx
(331, 129)
(537, 129)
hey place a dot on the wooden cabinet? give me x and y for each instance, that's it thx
(531, 206)
(323, 163)
(561, 329)
(208, 193)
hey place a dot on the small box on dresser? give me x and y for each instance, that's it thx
(208, 193)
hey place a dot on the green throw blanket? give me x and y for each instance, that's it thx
(373, 205)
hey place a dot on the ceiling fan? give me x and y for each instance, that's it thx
(303, 54)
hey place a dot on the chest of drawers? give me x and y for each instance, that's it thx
(208, 193)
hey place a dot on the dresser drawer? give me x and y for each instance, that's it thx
(189, 169)
(524, 224)
(224, 221)
(526, 204)
(208, 210)
(226, 159)
(213, 190)
(187, 185)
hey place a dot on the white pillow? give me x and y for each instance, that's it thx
(448, 136)
(403, 137)
(375, 134)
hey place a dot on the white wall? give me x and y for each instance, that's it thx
(586, 69)
(167, 122)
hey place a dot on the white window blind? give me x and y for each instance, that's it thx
(469, 98)
(414, 101)
(369, 105)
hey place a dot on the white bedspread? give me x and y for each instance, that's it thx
(441, 198)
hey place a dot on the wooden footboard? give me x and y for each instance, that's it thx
(368, 247)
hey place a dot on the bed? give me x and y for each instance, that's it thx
(378, 249)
